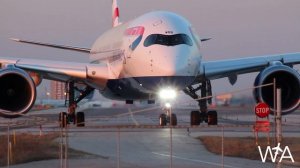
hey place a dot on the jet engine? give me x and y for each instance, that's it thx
(36, 77)
(17, 92)
(287, 78)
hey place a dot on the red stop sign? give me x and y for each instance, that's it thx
(262, 110)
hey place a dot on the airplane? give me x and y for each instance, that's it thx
(277, 149)
(154, 55)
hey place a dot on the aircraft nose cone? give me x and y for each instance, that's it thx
(171, 67)
(175, 63)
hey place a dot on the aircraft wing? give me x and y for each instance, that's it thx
(64, 47)
(233, 67)
(60, 70)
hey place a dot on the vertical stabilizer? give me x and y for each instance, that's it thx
(115, 13)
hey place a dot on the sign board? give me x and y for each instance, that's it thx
(262, 110)
(262, 126)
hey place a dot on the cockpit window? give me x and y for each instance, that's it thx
(167, 40)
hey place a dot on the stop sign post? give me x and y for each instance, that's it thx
(262, 110)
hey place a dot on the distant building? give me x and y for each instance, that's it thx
(223, 99)
(57, 90)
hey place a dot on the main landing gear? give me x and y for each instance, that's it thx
(167, 118)
(71, 116)
(210, 117)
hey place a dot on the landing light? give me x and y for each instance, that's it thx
(168, 105)
(167, 94)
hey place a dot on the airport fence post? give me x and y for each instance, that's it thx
(61, 147)
(275, 108)
(118, 147)
(8, 141)
(66, 145)
(40, 130)
(278, 121)
(171, 148)
(171, 140)
(15, 138)
(10, 153)
(222, 146)
(278, 117)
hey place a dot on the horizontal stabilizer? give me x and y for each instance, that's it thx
(78, 49)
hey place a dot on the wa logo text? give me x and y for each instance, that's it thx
(275, 153)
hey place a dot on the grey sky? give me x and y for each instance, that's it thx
(239, 28)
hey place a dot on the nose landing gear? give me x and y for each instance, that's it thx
(167, 118)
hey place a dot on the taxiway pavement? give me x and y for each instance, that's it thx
(148, 147)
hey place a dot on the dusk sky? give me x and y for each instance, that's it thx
(238, 28)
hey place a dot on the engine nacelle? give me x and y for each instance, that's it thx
(287, 78)
(36, 77)
(17, 92)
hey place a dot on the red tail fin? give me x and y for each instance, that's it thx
(115, 13)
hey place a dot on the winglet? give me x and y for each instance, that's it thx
(205, 39)
(15, 39)
(115, 13)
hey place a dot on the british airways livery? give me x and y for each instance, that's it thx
(156, 54)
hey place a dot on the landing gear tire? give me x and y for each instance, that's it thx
(212, 118)
(71, 118)
(163, 120)
(203, 117)
(195, 118)
(80, 119)
(63, 119)
(173, 120)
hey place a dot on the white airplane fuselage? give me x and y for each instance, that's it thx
(153, 51)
